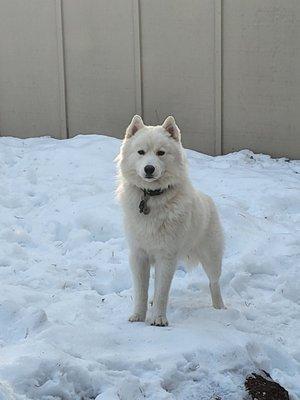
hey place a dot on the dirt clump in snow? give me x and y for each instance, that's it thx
(261, 386)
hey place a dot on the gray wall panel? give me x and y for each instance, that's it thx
(100, 65)
(178, 67)
(30, 82)
(261, 76)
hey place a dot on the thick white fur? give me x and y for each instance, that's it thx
(183, 223)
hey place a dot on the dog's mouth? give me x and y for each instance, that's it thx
(150, 178)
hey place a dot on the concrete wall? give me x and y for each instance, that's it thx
(229, 70)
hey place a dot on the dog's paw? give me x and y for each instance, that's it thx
(158, 321)
(219, 306)
(136, 317)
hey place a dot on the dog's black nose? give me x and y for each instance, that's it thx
(149, 169)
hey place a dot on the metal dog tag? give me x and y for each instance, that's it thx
(144, 208)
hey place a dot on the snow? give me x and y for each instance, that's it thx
(66, 289)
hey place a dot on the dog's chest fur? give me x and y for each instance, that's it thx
(167, 222)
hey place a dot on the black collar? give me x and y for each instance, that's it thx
(147, 193)
(154, 192)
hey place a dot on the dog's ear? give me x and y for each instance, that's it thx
(135, 125)
(170, 126)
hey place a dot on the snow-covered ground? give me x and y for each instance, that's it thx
(66, 289)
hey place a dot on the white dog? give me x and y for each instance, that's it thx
(166, 219)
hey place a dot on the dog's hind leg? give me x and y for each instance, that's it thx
(211, 257)
(216, 295)
(140, 268)
(213, 272)
(212, 264)
(211, 260)
(209, 253)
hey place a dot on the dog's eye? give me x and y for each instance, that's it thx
(141, 152)
(160, 153)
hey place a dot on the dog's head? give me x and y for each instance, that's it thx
(152, 156)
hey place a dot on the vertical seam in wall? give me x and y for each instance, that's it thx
(137, 56)
(218, 75)
(64, 131)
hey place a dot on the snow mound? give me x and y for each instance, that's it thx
(66, 289)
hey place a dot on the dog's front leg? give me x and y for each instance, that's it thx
(164, 271)
(140, 268)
